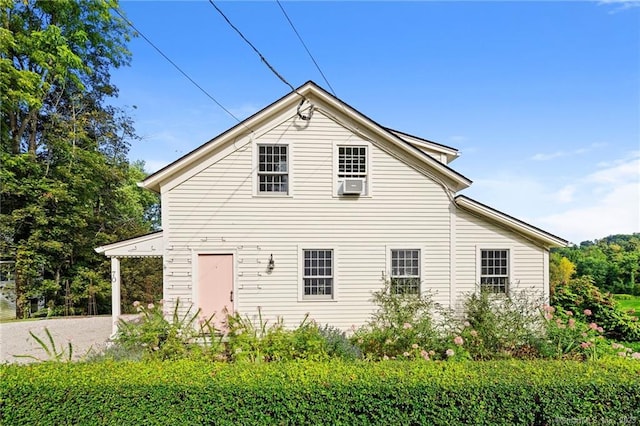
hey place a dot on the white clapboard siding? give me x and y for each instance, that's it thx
(216, 210)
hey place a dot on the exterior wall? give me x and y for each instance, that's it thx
(216, 211)
(528, 262)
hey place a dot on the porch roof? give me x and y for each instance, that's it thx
(149, 245)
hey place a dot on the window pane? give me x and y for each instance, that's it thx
(405, 271)
(317, 278)
(494, 271)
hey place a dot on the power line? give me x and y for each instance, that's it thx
(255, 49)
(306, 48)
(176, 66)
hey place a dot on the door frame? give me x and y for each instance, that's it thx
(195, 287)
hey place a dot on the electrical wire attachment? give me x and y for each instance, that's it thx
(300, 114)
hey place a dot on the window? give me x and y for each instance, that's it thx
(494, 270)
(273, 169)
(318, 274)
(405, 271)
(352, 170)
(352, 162)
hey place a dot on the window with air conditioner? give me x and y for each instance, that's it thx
(352, 170)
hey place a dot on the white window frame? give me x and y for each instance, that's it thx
(256, 169)
(509, 276)
(337, 180)
(391, 276)
(301, 274)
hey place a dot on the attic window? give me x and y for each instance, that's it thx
(352, 169)
(273, 169)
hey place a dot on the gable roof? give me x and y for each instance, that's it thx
(308, 90)
(475, 207)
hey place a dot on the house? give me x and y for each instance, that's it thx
(308, 206)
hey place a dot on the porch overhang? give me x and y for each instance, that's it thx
(150, 245)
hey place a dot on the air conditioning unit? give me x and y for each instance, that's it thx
(353, 187)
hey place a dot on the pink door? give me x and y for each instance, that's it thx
(215, 286)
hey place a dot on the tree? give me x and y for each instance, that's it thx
(66, 180)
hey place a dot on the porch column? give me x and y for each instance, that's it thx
(115, 294)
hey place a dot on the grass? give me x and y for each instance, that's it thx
(627, 302)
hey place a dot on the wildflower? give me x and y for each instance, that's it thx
(458, 340)
(615, 345)
(450, 352)
(432, 353)
(622, 354)
(569, 313)
(406, 354)
(583, 334)
(593, 326)
(600, 330)
(635, 355)
(548, 316)
(587, 312)
(572, 323)
(414, 346)
(549, 309)
(424, 354)
(150, 306)
(406, 326)
(558, 321)
(585, 345)
(467, 324)
(386, 358)
(473, 333)
(136, 304)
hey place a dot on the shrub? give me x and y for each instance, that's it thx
(501, 326)
(189, 392)
(582, 294)
(262, 342)
(154, 336)
(402, 324)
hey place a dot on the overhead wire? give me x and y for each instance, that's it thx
(255, 49)
(176, 66)
(306, 48)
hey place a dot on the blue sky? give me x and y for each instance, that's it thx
(541, 98)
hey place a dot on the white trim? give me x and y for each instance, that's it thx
(495, 246)
(453, 219)
(150, 245)
(545, 276)
(300, 267)
(195, 279)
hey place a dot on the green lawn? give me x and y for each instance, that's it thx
(627, 302)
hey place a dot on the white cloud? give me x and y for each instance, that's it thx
(620, 4)
(565, 195)
(559, 154)
(607, 202)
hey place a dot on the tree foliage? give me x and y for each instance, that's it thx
(612, 262)
(67, 185)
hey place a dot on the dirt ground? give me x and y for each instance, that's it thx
(84, 333)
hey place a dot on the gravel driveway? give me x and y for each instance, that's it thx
(84, 333)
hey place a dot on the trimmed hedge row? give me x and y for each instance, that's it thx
(385, 393)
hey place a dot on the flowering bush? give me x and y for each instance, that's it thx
(401, 321)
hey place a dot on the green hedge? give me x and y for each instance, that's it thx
(385, 393)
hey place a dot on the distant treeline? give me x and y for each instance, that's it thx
(612, 262)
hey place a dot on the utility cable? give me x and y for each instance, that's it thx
(177, 67)
(255, 49)
(306, 48)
